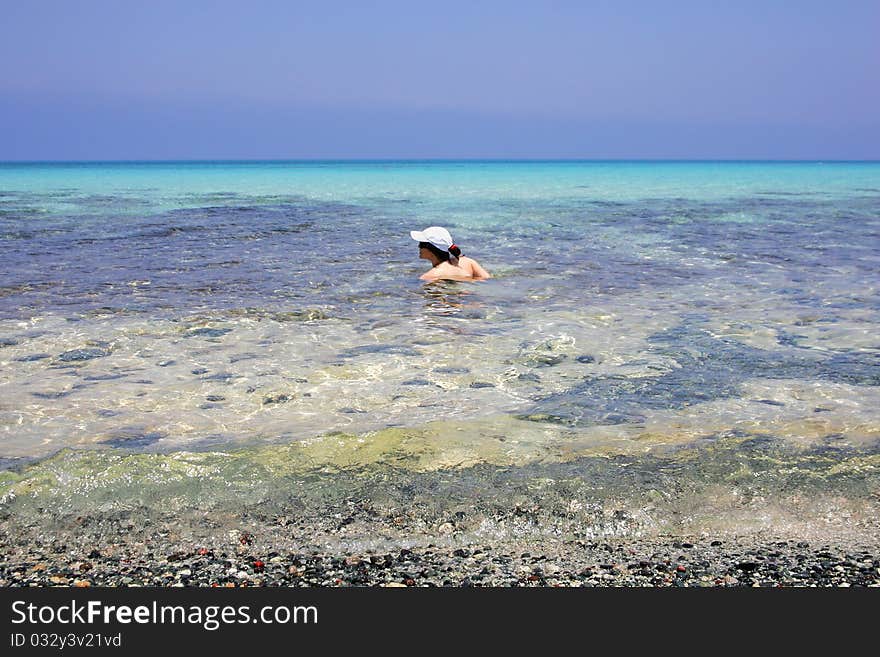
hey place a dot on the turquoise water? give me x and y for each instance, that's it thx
(438, 185)
(159, 315)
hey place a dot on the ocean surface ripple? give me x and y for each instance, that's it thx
(639, 312)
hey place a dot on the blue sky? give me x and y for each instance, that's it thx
(273, 79)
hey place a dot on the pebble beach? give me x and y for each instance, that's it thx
(109, 553)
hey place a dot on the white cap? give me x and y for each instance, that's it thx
(435, 235)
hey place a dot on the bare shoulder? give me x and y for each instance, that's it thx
(473, 268)
(467, 269)
(444, 271)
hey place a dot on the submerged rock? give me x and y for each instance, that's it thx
(276, 399)
(206, 332)
(33, 357)
(76, 355)
(134, 440)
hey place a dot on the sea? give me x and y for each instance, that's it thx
(663, 347)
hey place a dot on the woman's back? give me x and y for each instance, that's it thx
(464, 269)
(473, 268)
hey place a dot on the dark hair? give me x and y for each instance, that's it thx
(440, 253)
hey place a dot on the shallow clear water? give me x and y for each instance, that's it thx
(637, 309)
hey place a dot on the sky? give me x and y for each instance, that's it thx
(276, 79)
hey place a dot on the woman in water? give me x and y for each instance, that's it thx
(435, 245)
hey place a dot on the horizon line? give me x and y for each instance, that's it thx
(429, 160)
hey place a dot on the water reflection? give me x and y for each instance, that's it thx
(449, 298)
